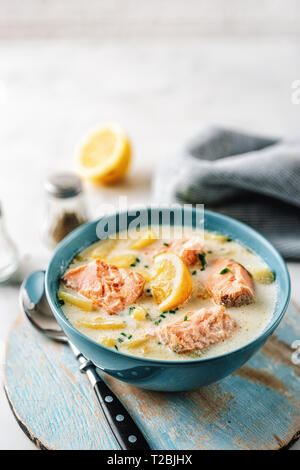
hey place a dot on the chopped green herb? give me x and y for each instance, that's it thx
(229, 239)
(202, 258)
(157, 322)
(185, 318)
(132, 265)
(210, 252)
(137, 260)
(146, 266)
(225, 270)
(61, 302)
(130, 336)
(131, 308)
(123, 334)
(159, 343)
(172, 312)
(162, 315)
(120, 340)
(194, 272)
(148, 290)
(116, 347)
(166, 244)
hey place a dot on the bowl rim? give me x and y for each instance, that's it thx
(263, 336)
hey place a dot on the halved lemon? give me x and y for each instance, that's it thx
(104, 154)
(171, 282)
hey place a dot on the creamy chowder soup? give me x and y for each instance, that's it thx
(169, 299)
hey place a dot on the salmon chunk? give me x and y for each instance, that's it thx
(106, 285)
(187, 248)
(197, 330)
(230, 284)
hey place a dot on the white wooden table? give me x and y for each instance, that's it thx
(161, 91)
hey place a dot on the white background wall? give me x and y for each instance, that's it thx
(163, 68)
(143, 18)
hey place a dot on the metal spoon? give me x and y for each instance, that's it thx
(35, 306)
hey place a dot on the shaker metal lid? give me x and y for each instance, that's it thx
(63, 185)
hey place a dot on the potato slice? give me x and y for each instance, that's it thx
(96, 324)
(262, 275)
(86, 305)
(201, 292)
(135, 343)
(108, 342)
(103, 249)
(122, 261)
(147, 238)
(215, 236)
(139, 313)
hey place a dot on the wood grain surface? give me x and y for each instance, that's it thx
(258, 407)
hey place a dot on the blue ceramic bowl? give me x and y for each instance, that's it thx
(160, 374)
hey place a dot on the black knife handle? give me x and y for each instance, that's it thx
(125, 430)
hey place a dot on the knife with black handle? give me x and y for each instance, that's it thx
(123, 427)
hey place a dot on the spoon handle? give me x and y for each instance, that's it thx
(125, 430)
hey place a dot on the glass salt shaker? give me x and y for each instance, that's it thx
(65, 209)
(9, 258)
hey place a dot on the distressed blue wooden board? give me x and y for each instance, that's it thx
(258, 407)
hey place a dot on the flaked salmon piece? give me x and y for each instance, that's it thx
(187, 248)
(230, 284)
(106, 285)
(197, 330)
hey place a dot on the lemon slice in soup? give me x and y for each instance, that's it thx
(171, 281)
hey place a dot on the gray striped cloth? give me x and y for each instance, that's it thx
(252, 178)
